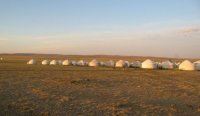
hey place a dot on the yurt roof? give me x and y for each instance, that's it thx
(197, 62)
(186, 65)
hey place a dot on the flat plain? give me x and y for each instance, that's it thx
(72, 90)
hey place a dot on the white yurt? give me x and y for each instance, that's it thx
(59, 62)
(158, 65)
(197, 65)
(148, 64)
(197, 62)
(32, 61)
(66, 62)
(81, 63)
(136, 64)
(45, 62)
(73, 62)
(86, 63)
(186, 65)
(126, 64)
(93, 63)
(110, 63)
(177, 64)
(54, 62)
(167, 65)
(120, 63)
(102, 63)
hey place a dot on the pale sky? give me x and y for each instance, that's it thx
(169, 28)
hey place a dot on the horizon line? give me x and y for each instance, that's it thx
(97, 55)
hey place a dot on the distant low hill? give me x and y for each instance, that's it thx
(86, 57)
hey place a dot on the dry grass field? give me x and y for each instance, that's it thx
(71, 90)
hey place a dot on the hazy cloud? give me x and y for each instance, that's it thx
(2, 39)
(170, 41)
(191, 30)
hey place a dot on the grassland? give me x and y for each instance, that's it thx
(69, 90)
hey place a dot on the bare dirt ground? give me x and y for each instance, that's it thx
(70, 90)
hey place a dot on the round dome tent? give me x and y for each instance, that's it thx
(197, 62)
(81, 63)
(54, 62)
(148, 64)
(59, 62)
(66, 62)
(110, 63)
(167, 65)
(102, 63)
(32, 61)
(177, 64)
(45, 62)
(197, 65)
(120, 64)
(86, 63)
(174, 64)
(136, 64)
(158, 65)
(93, 63)
(186, 65)
(126, 64)
(74, 63)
